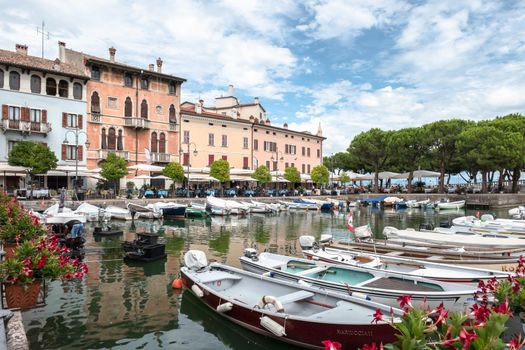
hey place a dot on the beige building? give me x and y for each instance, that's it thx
(244, 136)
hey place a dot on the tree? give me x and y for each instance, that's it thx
(320, 175)
(220, 169)
(292, 174)
(262, 175)
(370, 150)
(174, 171)
(113, 168)
(344, 178)
(33, 155)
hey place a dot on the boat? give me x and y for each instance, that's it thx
(169, 209)
(423, 204)
(196, 210)
(390, 201)
(451, 205)
(487, 224)
(217, 206)
(117, 213)
(144, 212)
(299, 205)
(412, 203)
(517, 213)
(145, 248)
(400, 205)
(107, 231)
(366, 278)
(237, 208)
(54, 215)
(91, 212)
(299, 315)
(403, 266)
(261, 208)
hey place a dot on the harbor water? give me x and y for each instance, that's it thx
(123, 305)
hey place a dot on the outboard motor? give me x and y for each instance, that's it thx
(251, 254)
(428, 226)
(306, 242)
(325, 238)
(195, 260)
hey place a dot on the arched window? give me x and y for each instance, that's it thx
(36, 84)
(51, 87)
(128, 108)
(77, 91)
(120, 142)
(144, 109)
(14, 80)
(95, 103)
(63, 88)
(104, 139)
(172, 88)
(112, 139)
(162, 143)
(154, 142)
(1, 79)
(172, 115)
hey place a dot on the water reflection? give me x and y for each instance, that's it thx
(132, 305)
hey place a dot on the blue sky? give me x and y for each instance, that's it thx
(350, 65)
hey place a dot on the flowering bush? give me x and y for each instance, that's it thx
(16, 223)
(38, 259)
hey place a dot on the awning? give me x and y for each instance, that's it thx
(279, 179)
(201, 178)
(6, 168)
(242, 178)
(146, 167)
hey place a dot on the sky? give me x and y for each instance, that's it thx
(350, 65)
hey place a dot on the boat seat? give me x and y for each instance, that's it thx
(340, 305)
(218, 275)
(295, 296)
(314, 270)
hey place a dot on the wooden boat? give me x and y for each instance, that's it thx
(299, 315)
(196, 210)
(144, 212)
(118, 213)
(383, 285)
(403, 266)
(107, 231)
(451, 205)
(169, 209)
(488, 224)
(145, 248)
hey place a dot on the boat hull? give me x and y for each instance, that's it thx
(302, 333)
(174, 212)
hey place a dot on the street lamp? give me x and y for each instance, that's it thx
(188, 165)
(76, 132)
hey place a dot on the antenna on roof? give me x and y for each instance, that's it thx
(44, 35)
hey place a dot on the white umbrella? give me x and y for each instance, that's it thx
(160, 177)
(142, 177)
(146, 167)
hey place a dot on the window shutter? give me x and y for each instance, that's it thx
(245, 162)
(64, 152)
(64, 119)
(44, 116)
(79, 121)
(25, 114)
(225, 157)
(211, 159)
(186, 159)
(5, 112)
(80, 151)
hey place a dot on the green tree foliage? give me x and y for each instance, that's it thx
(113, 167)
(292, 174)
(344, 178)
(320, 175)
(220, 169)
(444, 135)
(174, 171)
(262, 175)
(33, 155)
(339, 161)
(371, 150)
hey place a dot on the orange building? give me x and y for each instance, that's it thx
(132, 112)
(245, 137)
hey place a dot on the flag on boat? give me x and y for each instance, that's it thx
(350, 223)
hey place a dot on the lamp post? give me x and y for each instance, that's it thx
(277, 159)
(188, 165)
(76, 132)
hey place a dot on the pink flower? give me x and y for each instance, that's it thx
(404, 301)
(42, 262)
(467, 337)
(481, 313)
(516, 344)
(27, 271)
(372, 346)
(378, 316)
(331, 345)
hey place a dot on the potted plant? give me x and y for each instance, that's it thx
(34, 261)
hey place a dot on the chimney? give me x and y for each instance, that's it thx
(159, 65)
(230, 90)
(285, 125)
(62, 51)
(198, 107)
(152, 67)
(21, 49)
(112, 52)
(268, 122)
(256, 100)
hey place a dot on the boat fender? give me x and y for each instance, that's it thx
(225, 307)
(361, 295)
(268, 299)
(177, 283)
(272, 326)
(198, 292)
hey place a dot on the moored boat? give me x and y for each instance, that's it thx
(365, 278)
(169, 209)
(118, 213)
(488, 224)
(299, 315)
(451, 205)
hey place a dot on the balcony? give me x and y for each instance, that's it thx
(103, 153)
(160, 157)
(136, 123)
(26, 127)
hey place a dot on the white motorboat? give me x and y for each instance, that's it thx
(117, 213)
(91, 212)
(217, 206)
(169, 209)
(257, 208)
(487, 224)
(517, 213)
(56, 215)
(402, 266)
(144, 211)
(451, 205)
(237, 208)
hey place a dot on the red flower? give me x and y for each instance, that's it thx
(331, 345)
(481, 313)
(404, 300)
(467, 337)
(27, 271)
(378, 316)
(516, 344)
(372, 346)
(442, 314)
(42, 262)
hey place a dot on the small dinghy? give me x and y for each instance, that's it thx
(379, 285)
(107, 231)
(145, 248)
(299, 315)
